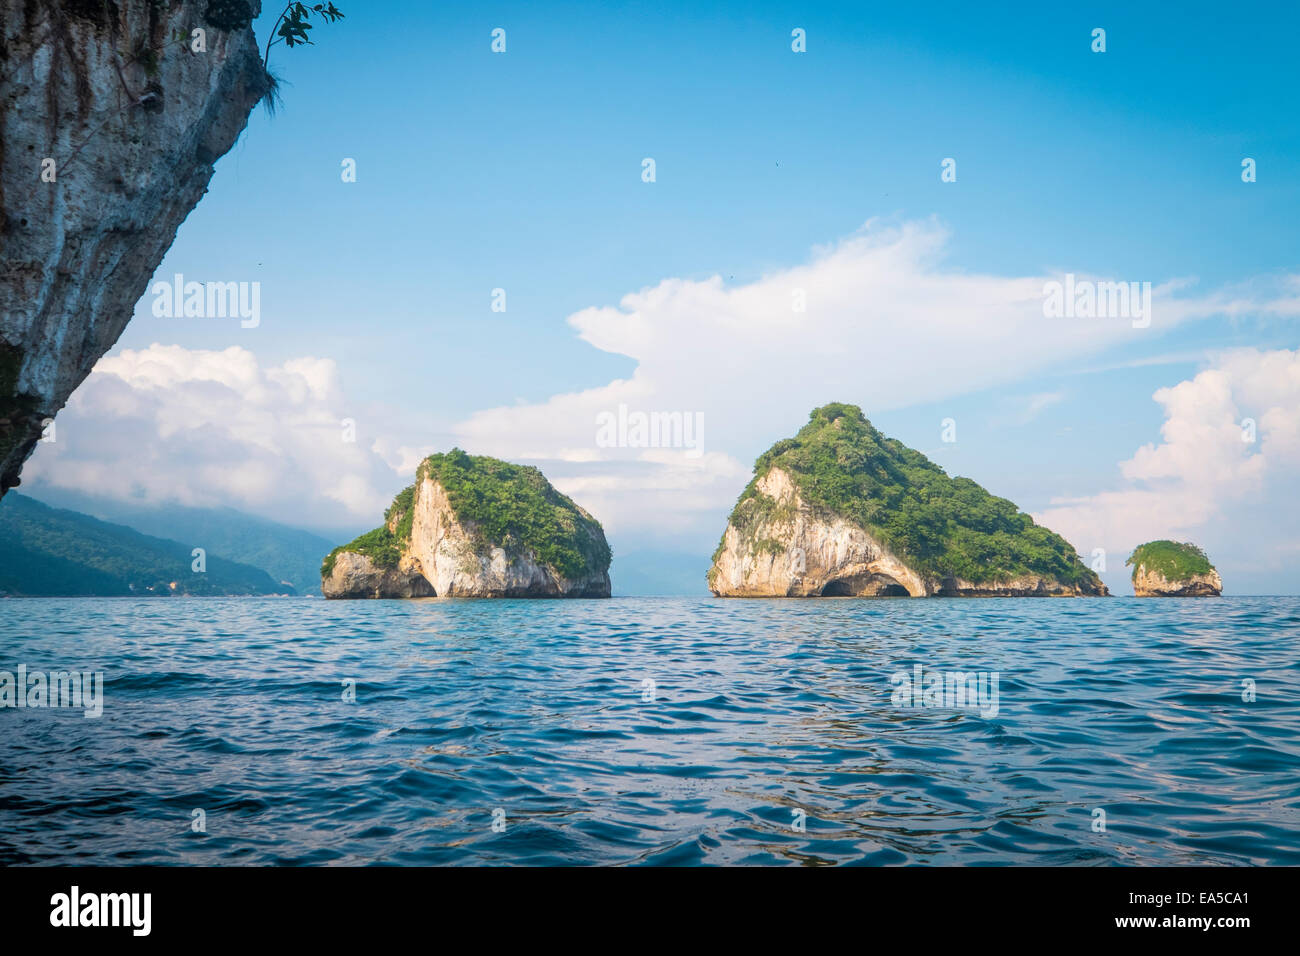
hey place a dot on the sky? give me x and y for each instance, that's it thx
(799, 244)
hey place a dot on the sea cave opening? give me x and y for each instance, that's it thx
(875, 585)
(837, 589)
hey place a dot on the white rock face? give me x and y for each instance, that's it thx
(103, 153)
(1150, 583)
(814, 553)
(795, 551)
(449, 560)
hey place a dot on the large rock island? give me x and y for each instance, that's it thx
(1173, 569)
(474, 527)
(842, 511)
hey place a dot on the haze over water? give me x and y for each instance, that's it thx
(760, 709)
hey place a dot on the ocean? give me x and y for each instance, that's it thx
(674, 731)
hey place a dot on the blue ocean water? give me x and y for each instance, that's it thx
(527, 732)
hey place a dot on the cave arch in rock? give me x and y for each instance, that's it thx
(893, 590)
(864, 585)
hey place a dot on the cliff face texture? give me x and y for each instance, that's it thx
(545, 547)
(1152, 583)
(356, 575)
(110, 123)
(801, 552)
(840, 510)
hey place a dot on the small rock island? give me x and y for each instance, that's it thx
(840, 510)
(1173, 569)
(477, 527)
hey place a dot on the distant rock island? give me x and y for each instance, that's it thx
(842, 511)
(1173, 569)
(473, 526)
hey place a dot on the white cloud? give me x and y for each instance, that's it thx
(1202, 469)
(1037, 403)
(208, 428)
(1023, 409)
(885, 326)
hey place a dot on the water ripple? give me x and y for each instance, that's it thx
(653, 731)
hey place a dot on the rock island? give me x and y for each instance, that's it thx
(1173, 569)
(478, 527)
(839, 510)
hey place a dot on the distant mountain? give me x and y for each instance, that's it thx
(652, 573)
(52, 552)
(285, 553)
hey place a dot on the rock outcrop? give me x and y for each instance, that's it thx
(801, 528)
(354, 575)
(475, 527)
(1173, 569)
(112, 114)
(1154, 584)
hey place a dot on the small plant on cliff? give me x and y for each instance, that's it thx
(291, 29)
(1173, 560)
(228, 15)
(293, 24)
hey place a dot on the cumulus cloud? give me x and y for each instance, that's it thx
(876, 319)
(208, 428)
(1226, 433)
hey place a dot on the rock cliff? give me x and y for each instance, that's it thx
(842, 511)
(474, 527)
(114, 112)
(1173, 569)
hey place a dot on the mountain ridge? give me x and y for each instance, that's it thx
(285, 552)
(55, 552)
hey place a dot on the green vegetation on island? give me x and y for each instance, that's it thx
(939, 525)
(1173, 560)
(503, 505)
(384, 545)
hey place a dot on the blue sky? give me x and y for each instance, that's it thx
(522, 171)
